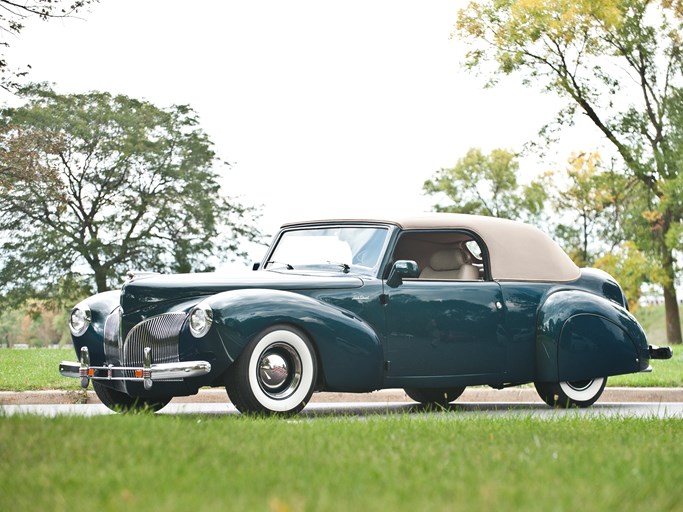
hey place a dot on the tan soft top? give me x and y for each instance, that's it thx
(517, 251)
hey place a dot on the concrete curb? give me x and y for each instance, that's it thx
(474, 394)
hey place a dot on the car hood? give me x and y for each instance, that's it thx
(155, 289)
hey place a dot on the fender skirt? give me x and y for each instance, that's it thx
(581, 336)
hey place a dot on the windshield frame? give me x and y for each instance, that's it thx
(272, 262)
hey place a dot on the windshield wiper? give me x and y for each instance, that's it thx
(286, 265)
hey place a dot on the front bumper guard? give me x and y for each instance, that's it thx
(147, 374)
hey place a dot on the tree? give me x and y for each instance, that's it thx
(633, 269)
(618, 62)
(487, 185)
(104, 184)
(593, 204)
(13, 15)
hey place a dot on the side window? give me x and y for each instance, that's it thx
(454, 255)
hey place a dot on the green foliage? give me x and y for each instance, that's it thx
(108, 184)
(597, 208)
(487, 185)
(631, 268)
(449, 461)
(583, 201)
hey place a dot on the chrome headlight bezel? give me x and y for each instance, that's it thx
(200, 319)
(80, 319)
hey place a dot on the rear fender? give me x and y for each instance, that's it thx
(348, 349)
(580, 335)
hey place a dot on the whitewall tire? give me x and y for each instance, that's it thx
(276, 373)
(580, 393)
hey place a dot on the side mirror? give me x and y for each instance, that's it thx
(402, 269)
(256, 266)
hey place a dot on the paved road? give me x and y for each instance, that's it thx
(366, 409)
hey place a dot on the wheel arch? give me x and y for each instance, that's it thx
(347, 349)
(580, 335)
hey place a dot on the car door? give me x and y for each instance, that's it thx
(443, 327)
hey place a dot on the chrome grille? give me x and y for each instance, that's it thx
(160, 333)
(112, 337)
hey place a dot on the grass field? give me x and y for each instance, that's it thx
(36, 368)
(404, 462)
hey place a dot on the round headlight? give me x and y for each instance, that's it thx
(200, 320)
(79, 319)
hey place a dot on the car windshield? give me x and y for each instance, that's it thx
(344, 247)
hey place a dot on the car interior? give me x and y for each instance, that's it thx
(443, 255)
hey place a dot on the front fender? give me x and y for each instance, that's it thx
(101, 306)
(349, 351)
(580, 335)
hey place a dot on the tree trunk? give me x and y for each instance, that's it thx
(101, 280)
(673, 318)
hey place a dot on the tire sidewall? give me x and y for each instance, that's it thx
(298, 342)
(586, 395)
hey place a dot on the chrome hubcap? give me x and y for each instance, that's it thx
(273, 371)
(279, 371)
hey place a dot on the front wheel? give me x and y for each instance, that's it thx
(434, 396)
(122, 402)
(276, 373)
(579, 393)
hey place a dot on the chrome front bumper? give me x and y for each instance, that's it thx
(147, 374)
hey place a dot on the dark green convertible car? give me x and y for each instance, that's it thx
(431, 304)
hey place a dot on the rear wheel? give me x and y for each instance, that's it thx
(434, 396)
(579, 393)
(276, 373)
(122, 402)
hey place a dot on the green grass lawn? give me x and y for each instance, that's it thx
(404, 462)
(36, 368)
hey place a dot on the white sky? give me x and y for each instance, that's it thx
(325, 108)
